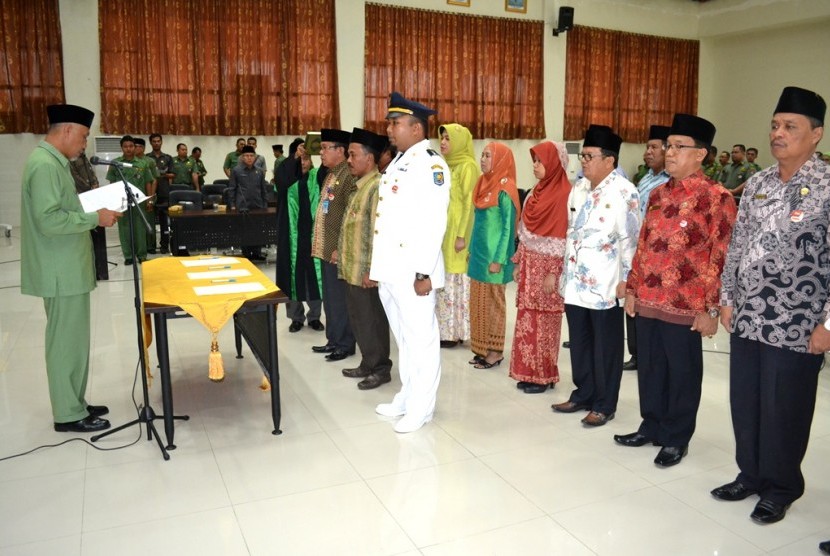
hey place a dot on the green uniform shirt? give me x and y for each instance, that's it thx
(139, 175)
(231, 160)
(55, 246)
(183, 170)
(712, 170)
(734, 175)
(199, 168)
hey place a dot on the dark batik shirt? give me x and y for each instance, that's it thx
(777, 270)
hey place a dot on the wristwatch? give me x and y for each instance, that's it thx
(419, 276)
(714, 312)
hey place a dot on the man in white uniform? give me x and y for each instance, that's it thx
(406, 258)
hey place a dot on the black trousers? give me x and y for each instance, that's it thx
(596, 356)
(631, 335)
(338, 329)
(772, 392)
(371, 328)
(99, 249)
(669, 376)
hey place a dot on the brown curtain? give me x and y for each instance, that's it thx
(218, 67)
(31, 64)
(482, 72)
(627, 81)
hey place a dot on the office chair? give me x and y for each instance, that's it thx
(195, 197)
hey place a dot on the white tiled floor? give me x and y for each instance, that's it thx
(496, 472)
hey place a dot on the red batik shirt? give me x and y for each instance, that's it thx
(675, 274)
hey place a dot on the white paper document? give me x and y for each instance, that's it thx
(233, 273)
(220, 263)
(223, 289)
(112, 197)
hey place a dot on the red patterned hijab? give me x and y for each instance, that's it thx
(501, 177)
(546, 208)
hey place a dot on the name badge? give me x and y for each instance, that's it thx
(797, 216)
(760, 196)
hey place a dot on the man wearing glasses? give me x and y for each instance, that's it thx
(673, 289)
(334, 199)
(603, 224)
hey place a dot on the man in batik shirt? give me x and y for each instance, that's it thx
(673, 288)
(775, 303)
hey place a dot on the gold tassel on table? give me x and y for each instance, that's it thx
(265, 385)
(216, 370)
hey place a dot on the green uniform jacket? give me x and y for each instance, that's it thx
(56, 248)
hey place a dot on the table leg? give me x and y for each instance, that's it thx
(163, 353)
(274, 367)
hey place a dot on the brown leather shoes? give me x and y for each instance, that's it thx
(569, 407)
(596, 419)
(373, 381)
(357, 372)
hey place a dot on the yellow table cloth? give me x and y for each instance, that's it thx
(165, 281)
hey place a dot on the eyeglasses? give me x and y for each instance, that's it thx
(588, 157)
(327, 147)
(670, 147)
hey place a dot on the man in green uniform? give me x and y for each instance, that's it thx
(711, 166)
(56, 263)
(183, 169)
(140, 175)
(733, 176)
(232, 158)
(150, 205)
(163, 162)
(198, 165)
(751, 155)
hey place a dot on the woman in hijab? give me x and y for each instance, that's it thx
(452, 301)
(492, 245)
(539, 261)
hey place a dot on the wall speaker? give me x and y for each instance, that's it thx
(566, 20)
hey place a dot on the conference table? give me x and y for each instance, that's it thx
(254, 316)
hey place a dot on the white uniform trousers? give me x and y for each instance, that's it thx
(415, 328)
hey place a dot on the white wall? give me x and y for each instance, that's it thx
(740, 78)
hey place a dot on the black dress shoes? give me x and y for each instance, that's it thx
(531, 388)
(357, 372)
(449, 343)
(630, 365)
(296, 326)
(824, 547)
(671, 455)
(634, 439)
(767, 511)
(323, 349)
(566, 345)
(316, 325)
(97, 410)
(373, 381)
(87, 424)
(338, 355)
(733, 491)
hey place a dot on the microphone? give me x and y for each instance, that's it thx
(101, 162)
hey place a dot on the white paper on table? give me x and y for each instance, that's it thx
(222, 289)
(112, 197)
(210, 261)
(233, 273)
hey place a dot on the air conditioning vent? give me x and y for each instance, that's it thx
(107, 144)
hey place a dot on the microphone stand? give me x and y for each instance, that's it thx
(146, 415)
